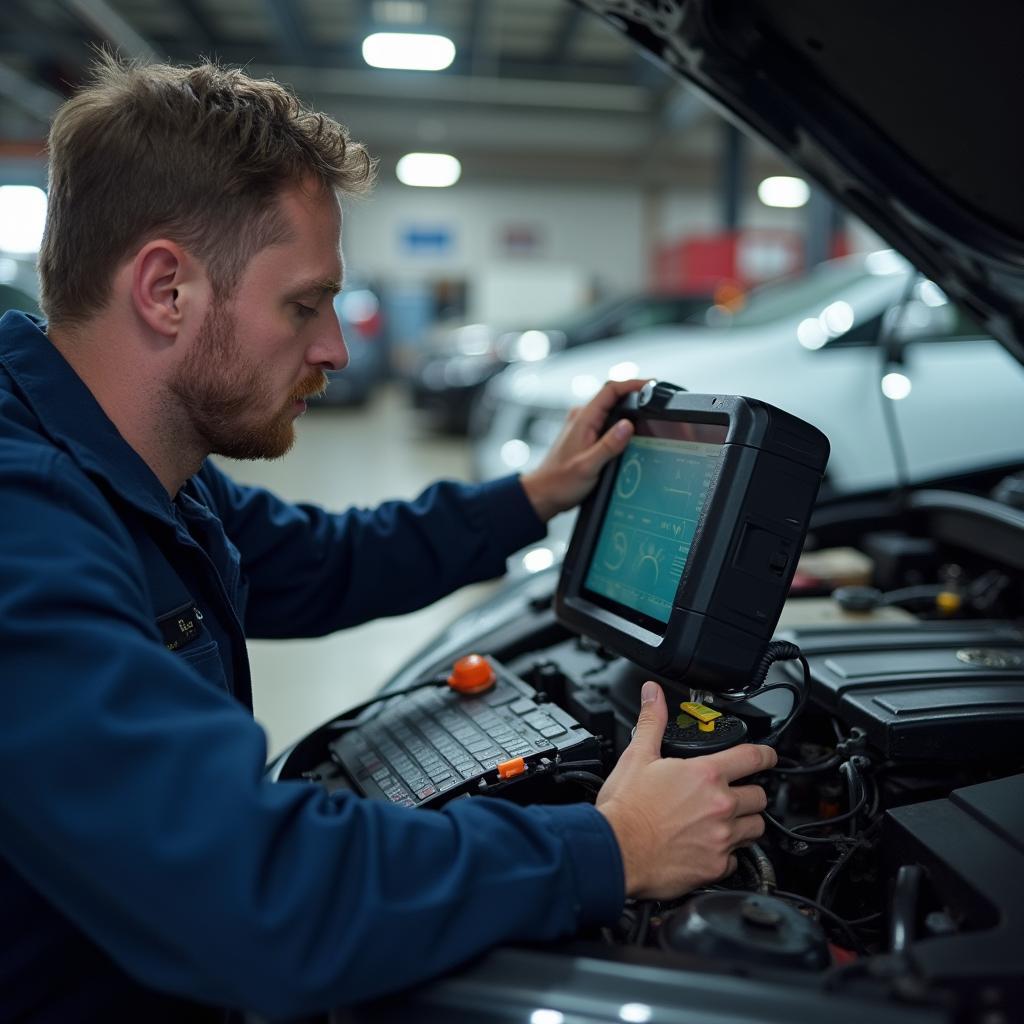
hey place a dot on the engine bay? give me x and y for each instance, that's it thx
(895, 825)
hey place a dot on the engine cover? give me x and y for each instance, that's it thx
(941, 691)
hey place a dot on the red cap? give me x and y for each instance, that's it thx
(471, 674)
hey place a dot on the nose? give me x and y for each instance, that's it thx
(329, 350)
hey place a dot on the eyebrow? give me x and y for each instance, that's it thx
(329, 286)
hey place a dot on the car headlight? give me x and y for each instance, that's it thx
(529, 346)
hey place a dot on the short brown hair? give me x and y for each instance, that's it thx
(197, 154)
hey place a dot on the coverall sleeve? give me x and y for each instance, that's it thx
(132, 797)
(311, 572)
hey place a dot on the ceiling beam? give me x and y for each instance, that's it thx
(200, 24)
(459, 89)
(564, 34)
(110, 26)
(59, 37)
(348, 56)
(365, 25)
(674, 171)
(287, 18)
(33, 99)
(38, 47)
(480, 60)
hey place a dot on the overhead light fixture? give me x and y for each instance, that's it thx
(545, 1016)
(428, 170)
(22, 218)
(408, 51)
(635, 1013)
(784, 191)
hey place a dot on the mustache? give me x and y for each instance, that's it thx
(312, 386)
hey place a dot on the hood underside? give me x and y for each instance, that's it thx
(907, 113)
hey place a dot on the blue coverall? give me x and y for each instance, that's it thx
(148, 871)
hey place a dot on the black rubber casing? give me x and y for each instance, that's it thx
(744, 550)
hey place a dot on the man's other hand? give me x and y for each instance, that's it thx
(570, 469)
(678, 822)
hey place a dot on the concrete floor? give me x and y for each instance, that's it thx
(349, 457)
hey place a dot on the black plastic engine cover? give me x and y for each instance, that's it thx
(971, 846)
(937, 691)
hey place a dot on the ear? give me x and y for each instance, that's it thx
(164, 286)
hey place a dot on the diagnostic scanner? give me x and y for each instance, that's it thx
(682, 555)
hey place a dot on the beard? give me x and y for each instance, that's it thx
(229, 403)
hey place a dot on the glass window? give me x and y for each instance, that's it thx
(793, 296)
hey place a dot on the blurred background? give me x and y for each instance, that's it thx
(552, 209)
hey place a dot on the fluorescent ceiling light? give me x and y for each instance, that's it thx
(428, 170)
(635, 1013)
(784, 191)
(409, 51)
(22, 218)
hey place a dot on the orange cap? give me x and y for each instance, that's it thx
(471, 674)
(509, 769)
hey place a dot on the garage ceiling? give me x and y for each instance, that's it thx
(539, 88)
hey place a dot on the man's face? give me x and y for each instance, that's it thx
(261, 353)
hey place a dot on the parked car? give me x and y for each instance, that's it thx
(813, 346)
(460, 361)
(19, 286)
(886, 887)
(359, 314)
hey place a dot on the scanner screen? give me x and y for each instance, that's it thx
(645, 539)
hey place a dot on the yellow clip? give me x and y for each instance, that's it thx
(705, 716)
(948, 602)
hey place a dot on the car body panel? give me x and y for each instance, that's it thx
(459, 362)
(964, 405)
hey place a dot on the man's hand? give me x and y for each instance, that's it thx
(677, 821)
(570, 469)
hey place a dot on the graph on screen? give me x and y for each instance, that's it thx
(648, 529)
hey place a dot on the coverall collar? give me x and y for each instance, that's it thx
(69, 413)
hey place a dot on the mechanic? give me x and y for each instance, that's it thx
(149, 871)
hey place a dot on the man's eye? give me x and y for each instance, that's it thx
(306, 312)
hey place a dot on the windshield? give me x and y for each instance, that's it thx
(572, 322)
(794, 296)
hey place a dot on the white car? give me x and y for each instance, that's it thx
(815, 347)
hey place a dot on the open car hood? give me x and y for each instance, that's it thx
(906, 113)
